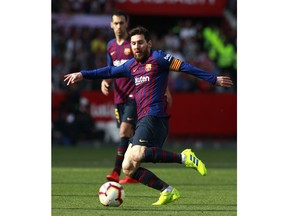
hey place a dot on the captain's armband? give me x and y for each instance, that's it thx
(175, 65)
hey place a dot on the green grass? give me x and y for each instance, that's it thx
(78, 173)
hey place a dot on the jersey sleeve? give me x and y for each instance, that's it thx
(178, 65)
(107, 72)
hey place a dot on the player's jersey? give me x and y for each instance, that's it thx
(150, 80)
(117, 55)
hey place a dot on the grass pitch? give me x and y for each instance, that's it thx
(78, 173)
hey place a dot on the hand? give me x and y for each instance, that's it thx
(224, 81)
(169, 97)
(105, 84)
(73, 78)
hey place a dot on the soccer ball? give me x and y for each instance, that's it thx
(111, 194)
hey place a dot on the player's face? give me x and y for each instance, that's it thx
(140, 47)
(119, 25)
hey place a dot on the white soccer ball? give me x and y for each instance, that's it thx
(111, 194)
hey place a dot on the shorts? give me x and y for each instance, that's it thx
(126, 112)
(151, 131)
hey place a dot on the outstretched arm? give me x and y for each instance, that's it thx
(104, 72)
(73, 78)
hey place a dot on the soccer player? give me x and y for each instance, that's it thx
(118, 52)
(149, 69)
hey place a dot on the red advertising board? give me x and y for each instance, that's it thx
(204, 114)
(173, 7)
(191, 113)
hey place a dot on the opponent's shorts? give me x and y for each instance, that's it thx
(151, 131)
(126, 112)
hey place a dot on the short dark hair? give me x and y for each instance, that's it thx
(140, 30)
(120, 13)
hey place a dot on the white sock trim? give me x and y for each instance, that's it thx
(168, 189)
(183, 158)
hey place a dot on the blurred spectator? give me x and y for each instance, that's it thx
(85, 125)
(74, 123)
(172, 40)
(187, 30)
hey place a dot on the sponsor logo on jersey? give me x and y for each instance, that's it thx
(141, 79)
(148, 67)
(168, 57)
(127, 51)
(119, 62)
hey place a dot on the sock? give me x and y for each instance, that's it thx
(183, 157)
(149, 179)
(168, 189)
(154, 154)
(124, 142)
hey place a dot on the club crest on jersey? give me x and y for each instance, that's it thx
(127, 51)
(148, 67)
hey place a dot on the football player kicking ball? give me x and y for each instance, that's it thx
(118, 52)
(150, 69)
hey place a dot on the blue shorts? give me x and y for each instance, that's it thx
(126, 112)
(151, 131)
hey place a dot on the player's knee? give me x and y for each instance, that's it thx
(136, 155)
(127, 168)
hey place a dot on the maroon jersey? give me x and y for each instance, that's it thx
(124, 88)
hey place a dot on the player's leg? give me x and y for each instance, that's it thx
(126, 116)
(121, 148)
(128, 123)
(135, 153)
(131, 167)
(148, 140)
(126, 131)
(153, 134)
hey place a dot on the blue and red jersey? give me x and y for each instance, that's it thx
(150, 78)
(117, 55)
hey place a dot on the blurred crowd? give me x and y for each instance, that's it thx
(211, 46)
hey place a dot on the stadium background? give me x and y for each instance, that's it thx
(203, 33)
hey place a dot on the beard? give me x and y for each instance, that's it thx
(140, 57)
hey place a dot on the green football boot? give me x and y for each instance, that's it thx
(167, 197)
(192, 161)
